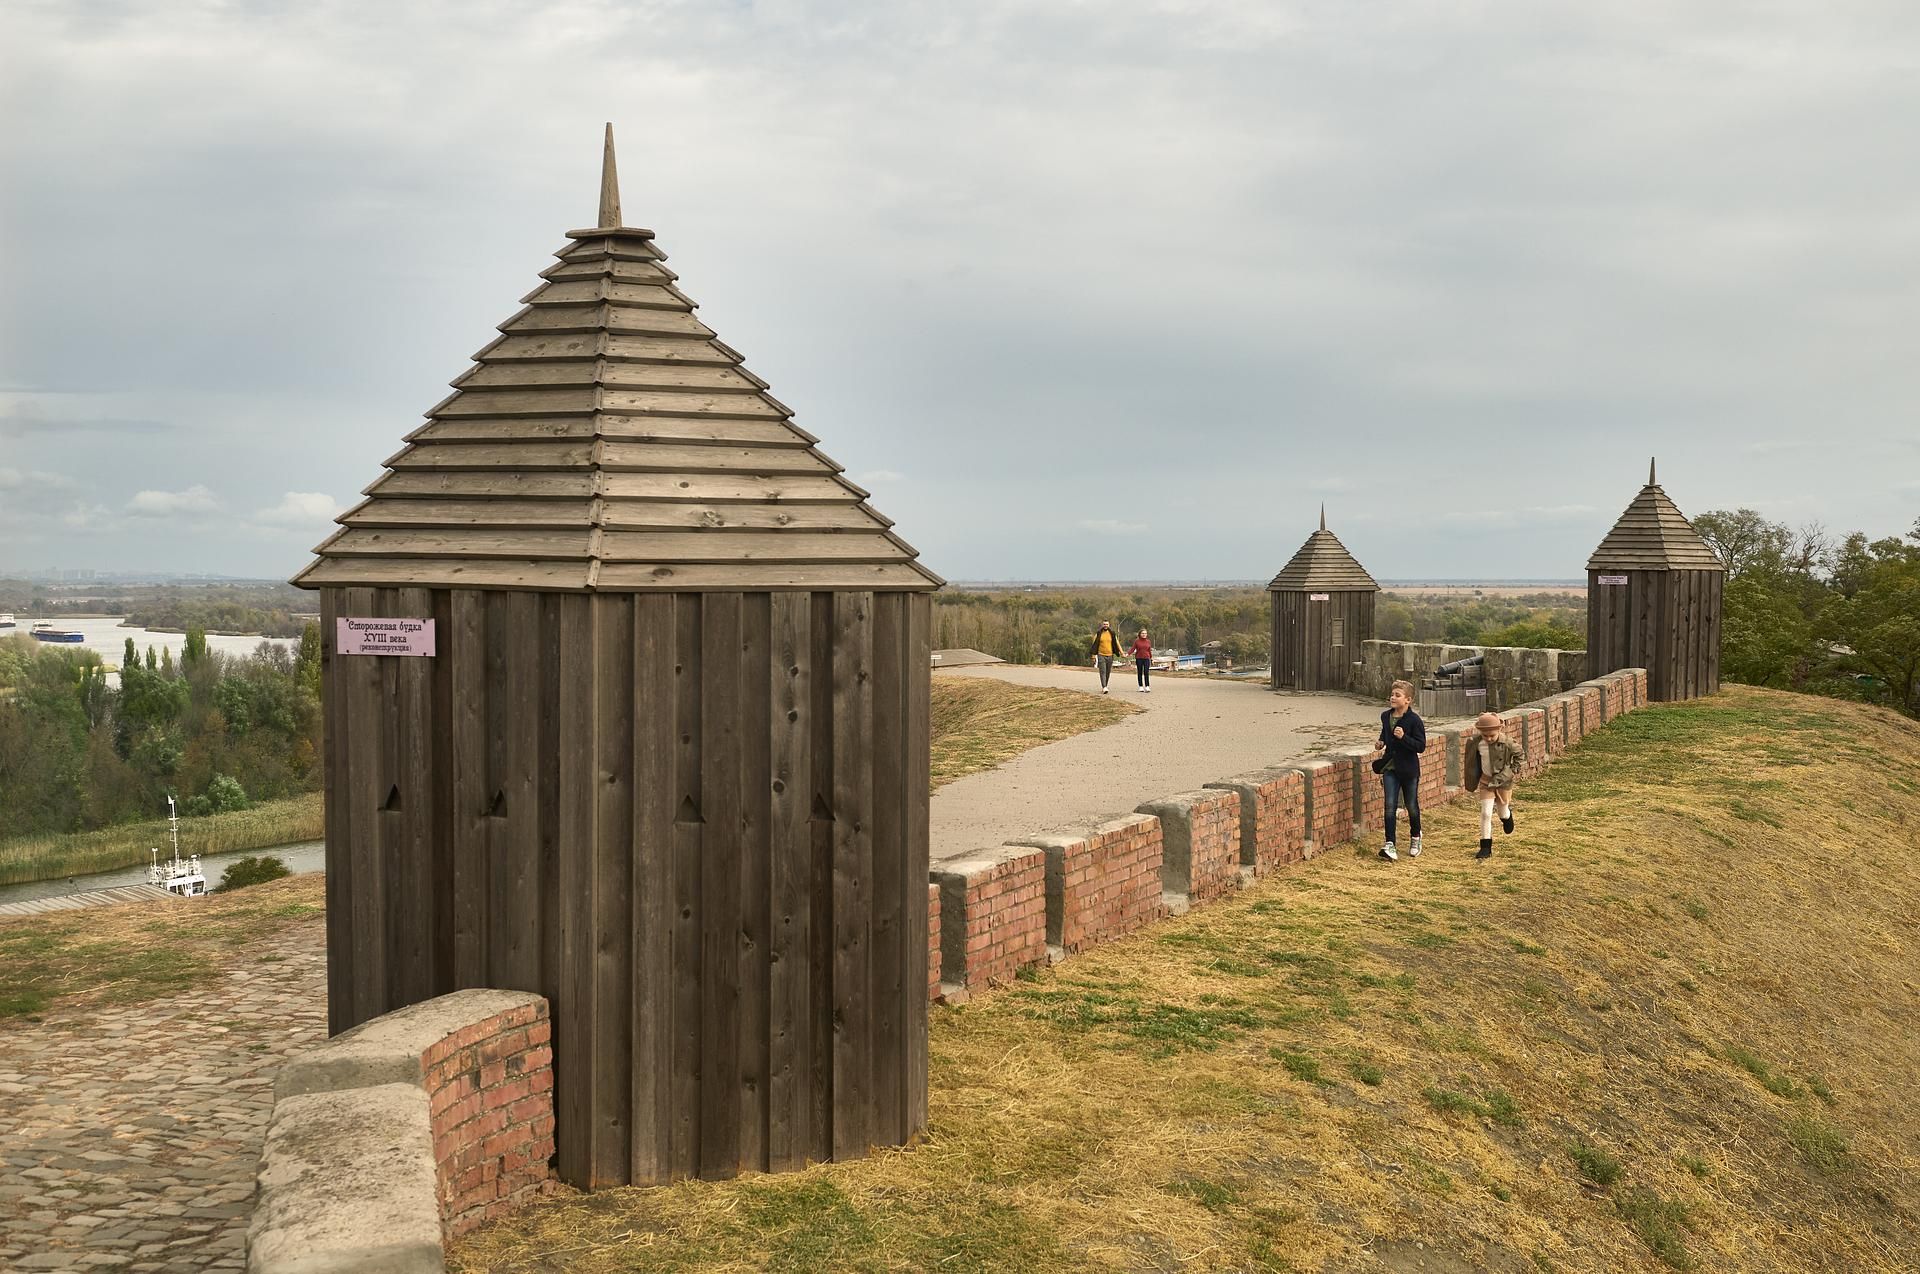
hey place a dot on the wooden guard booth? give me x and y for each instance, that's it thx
(1323, 603)
(667, 765)
(1654, 592)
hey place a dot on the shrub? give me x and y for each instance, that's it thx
(252, 870)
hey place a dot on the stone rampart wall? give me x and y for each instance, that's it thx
(1512, 674)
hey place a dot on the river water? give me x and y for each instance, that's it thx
(108, 638)
(305, 856)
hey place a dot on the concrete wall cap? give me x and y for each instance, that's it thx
(387, 1049)
(347, 1182)
(1063, 841)
(980, 860)
(1179, 802)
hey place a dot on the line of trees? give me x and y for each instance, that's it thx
(1056, 626)
(218, 732)
(1805, 611)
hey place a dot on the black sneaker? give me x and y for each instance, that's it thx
(1506, 821)
(1486, 849)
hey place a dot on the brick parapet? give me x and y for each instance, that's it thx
(1273, 818)
(1200, 839)
(1101, 884)
(993, 915)
(1328, 789)
(430, 1119)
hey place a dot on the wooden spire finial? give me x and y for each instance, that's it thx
(609, 185)
(1323, 515)
(1651, 480)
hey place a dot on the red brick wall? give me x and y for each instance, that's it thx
(1101, 885)
(489, 1090)
(1639, 686)
(1214, 838)
(1330, 784)
(1200, 832)
(993, 915)
(1433, 768)
(933, 941)
(1556, 710)
(1593, 709)
(1273, 822)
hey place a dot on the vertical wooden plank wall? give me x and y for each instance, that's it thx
(1301, 638)
(1668, 622)
(697, 823)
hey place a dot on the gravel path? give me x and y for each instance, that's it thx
(129, 1135)
(1193, 731)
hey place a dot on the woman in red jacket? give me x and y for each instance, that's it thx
(1143, 661)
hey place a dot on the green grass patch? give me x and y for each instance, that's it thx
(1595, 1164)
(1169, 1028)
(1771, 1080)
(1660, 1223)
(1497, 1106)
(1694, 1164)
(1820, 1145)
(1300, 1066)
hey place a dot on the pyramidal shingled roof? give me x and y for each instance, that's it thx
(1323, 563)
(609, 441)
(1653, 535)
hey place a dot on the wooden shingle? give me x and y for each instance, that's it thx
(1653, 535)
(1322, 564)
(607, 440)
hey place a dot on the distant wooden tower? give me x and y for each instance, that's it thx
(668, 763)
(1322, 610)
(1654, 593)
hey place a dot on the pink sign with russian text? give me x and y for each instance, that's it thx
(384, 636)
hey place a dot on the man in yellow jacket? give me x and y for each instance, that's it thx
(1106, 648)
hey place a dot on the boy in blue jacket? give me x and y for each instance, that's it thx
(1396, 759)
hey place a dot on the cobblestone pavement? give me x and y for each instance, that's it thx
(129, 1135)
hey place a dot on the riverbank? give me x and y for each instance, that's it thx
(24, 858)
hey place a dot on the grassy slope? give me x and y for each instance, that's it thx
(121, 955)
(979, 723)
(1689, 974)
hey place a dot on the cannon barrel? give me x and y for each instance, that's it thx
(1448, 670)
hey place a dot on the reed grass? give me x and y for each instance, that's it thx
(24, 858)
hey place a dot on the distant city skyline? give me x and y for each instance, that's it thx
(1087, 293)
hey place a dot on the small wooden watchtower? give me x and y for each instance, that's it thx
(1322, 610)
(1654, 593)
(667, 762)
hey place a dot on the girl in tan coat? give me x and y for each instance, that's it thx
(1492, 768)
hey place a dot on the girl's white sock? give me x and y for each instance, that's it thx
(1486, 818)
(1506, 809)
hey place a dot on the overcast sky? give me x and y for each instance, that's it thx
(1080, 291)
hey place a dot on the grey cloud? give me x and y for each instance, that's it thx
(1033, 257)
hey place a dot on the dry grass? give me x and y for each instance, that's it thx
(270, 823)
(142, 951)
(1350, 1059)
(979, 723)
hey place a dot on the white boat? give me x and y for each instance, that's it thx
(179, 876)
(7, 622)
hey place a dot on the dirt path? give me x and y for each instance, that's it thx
(129, 1134)
(1192, 732)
